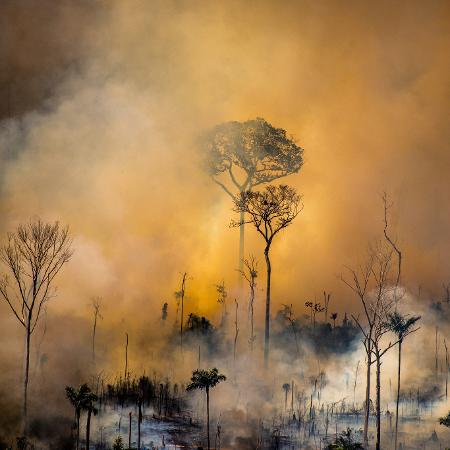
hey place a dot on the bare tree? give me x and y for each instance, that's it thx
(33, 255)
(236, 329)
(126, 358)
(179, 295)
(378, 303)
(250, 273)
(391, 241)
(222, 295)
(289, 315)
(96, 307)
(243, 155)
(326, 302)
(359, 284)
(270, 211)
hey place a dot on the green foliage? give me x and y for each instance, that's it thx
(445, 420)
(118, 444)
(345, 441)
(205, 379)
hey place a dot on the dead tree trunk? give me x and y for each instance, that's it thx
(129, 432)
(378, 405)
(267, 324)
(236, 332)
(398, 392)
(126, 358)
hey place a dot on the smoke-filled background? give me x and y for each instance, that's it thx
(101, 106)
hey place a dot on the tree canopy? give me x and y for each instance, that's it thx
(270, 210)
(251, 152)
(205, 379)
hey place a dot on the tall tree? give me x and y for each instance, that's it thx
(378, 306)
(243, 155)
(205, 380)
(402, 327)
(270, 211)
(33, 255)
(359, 284)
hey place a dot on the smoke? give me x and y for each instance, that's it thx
(101, 107)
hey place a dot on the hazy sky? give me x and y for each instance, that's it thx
(102, 103)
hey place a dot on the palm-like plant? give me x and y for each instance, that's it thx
(76, 398)
(88, 404)
(205, 379)
(401, 326)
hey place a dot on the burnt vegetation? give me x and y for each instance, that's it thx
(252, 372)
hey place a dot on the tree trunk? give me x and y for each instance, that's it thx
(252, 298)
(129, 432)
(26, 377)
(139, 425)
(93, 338)
(88, 428)
(207, 415)
(241, 244)
(367, 410)
(398, 391)
(378, 443)
(78, 429)
(267, 329)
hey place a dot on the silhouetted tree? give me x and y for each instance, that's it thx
(205, 379)
(164, 312)
(96, 306)
(270, 211)
(391, 241)
(222, 295)
(77, 398)
(243, 155)
(333, 317)
(286, 389)
(88, 405)
(236, 329)
(402, 327)
(250, 273)
(359, 284)
(33, 256)
(179, 295)
(326, 302)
